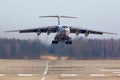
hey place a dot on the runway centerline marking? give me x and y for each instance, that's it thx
(46, 70)
(43, 78)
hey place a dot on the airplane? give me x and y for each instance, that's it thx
(62, 31)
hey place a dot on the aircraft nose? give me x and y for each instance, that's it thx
(63, 29)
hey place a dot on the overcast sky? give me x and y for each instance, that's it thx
(102, 15)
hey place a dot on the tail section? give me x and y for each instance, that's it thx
(57, 16)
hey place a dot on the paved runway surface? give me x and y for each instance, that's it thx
(59, 69)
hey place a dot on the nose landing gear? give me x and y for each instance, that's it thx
(66, 42)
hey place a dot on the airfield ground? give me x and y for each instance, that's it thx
(59, 69)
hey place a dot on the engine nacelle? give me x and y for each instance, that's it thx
(86, 33)
(48, 31)
(38, 32)
(77, 32)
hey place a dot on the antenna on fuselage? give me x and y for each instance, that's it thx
(58, 17)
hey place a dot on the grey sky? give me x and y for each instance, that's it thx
(103, 15)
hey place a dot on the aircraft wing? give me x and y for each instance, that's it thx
(88, 31)
(52, 29)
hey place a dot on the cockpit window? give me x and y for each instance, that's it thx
(64, 27)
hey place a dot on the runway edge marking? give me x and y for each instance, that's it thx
(100, 75)
(109, 70)
(116, 72)
(25, 75)
(2, 75)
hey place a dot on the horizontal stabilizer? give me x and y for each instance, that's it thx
(56, 16)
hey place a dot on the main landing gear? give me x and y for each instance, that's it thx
(66, 42)
(54, 42)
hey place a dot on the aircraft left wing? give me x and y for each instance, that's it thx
(88, 31)
(49, 29)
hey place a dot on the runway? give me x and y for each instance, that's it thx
(59, 69)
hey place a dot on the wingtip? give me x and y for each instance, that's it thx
(11, 31)
(6, 31)
(110, 33)
(115, 34)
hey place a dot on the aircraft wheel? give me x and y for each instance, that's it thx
(54, 42)
(68, 42)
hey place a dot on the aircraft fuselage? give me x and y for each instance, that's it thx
(62, 35)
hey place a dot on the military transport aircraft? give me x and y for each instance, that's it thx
(62, 31)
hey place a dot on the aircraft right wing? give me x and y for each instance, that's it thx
(52, 29)
(48, 30)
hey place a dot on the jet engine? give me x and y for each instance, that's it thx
(86, 33)
(48, 31)
(38, 32)
(77, 32)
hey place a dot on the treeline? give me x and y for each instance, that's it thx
(80, 49)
